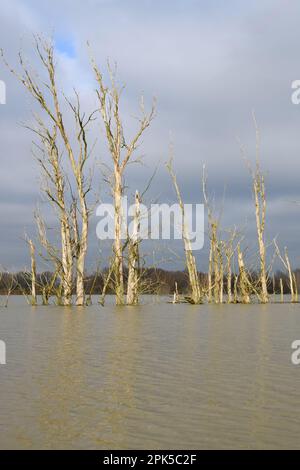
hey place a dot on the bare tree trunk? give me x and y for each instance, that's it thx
(243, 278)
(295, 288)
(260, 212)
(235, 291)
(52, 169)
(196, 294)
(175, 295)
(66, 258)
(193, 274)
(80, 292)
(133, 257)
(118, 248)
(210, 269)
(229, 252)
(229, 280)
(216, 273)
(33, 272)
(289, 269)
(221, 273)
(281, 290)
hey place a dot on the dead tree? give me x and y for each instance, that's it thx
(215, 265)
(47, 96)
(196, 294)
(121, 152)
(258, 185)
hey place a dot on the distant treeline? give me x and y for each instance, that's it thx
(155, 281)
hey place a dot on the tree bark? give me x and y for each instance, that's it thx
(243, 279)
(133, 257)
(33, 273)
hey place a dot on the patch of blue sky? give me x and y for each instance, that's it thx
(64, 45)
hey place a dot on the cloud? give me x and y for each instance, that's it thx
(209, 67)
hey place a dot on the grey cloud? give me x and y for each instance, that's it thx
(209, 66)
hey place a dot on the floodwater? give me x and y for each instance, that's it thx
(159, 376)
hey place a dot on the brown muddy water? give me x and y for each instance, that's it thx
(159, 376)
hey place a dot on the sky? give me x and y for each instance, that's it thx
(209, 64)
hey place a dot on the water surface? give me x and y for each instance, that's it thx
(156, 376)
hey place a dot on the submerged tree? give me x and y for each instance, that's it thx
(55, 143)
(216, 248)
(258, 185)
(121, 152)
(196, 293)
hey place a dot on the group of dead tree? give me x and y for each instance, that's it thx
(62, 147)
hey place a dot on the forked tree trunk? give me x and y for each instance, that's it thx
(221, 275)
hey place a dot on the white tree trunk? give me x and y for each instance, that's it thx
(83, 243)
(281, 290)
(133, 257)
(33, 273)
(243, 284)
(118, 249)
(260, 213)
(67, 261)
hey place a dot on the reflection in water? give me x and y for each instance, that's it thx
(157, 376)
